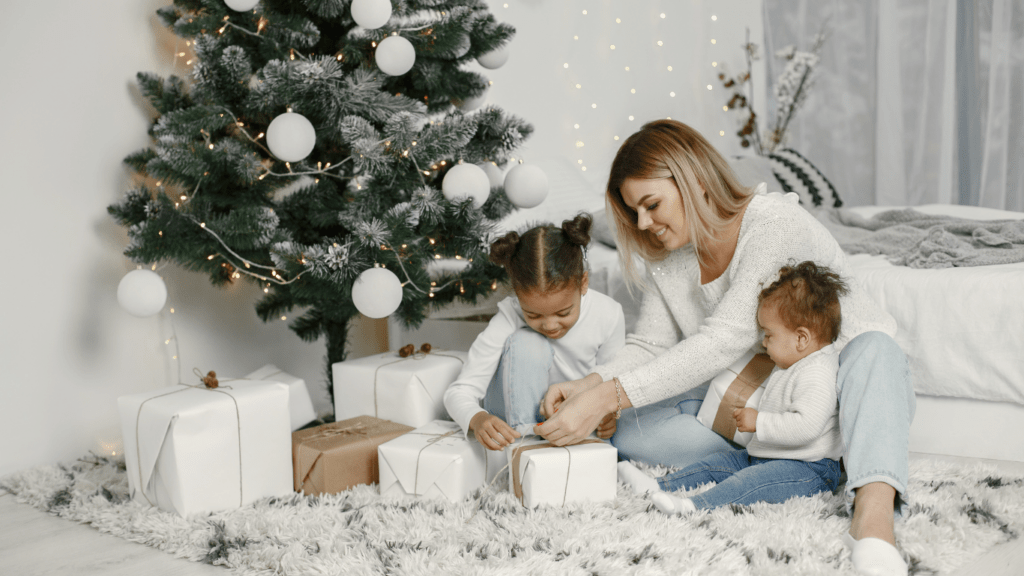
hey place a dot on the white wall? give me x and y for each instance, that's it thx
(535, 84)
(72, 114)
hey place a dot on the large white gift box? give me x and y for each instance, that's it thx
(406, 390)
(436, 460)
(300, 405)
(739, 386)
(191, 449)
(542, 474)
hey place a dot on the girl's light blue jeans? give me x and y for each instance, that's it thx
(745, 479)
(876, 407)
(521, 380)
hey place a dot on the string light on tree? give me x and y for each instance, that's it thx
(291, 137)
(395, 55)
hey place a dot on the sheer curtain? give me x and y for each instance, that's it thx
(916, 102)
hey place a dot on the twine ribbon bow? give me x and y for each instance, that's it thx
(211, 384)
(434, 439)
(405, 353)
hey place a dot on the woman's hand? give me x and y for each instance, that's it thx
(559, 393)
(607, 427)
(492, 432)
(579, 414)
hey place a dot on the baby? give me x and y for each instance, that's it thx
(796, 444)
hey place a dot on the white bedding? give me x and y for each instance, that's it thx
(962, 328)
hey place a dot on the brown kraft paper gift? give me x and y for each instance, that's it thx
(335, 457)
(746, 382)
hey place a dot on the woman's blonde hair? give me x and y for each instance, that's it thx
(711, 195)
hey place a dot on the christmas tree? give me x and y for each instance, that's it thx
(326, 150)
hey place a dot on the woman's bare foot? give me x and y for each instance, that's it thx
(873, 507)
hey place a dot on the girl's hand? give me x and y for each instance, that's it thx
(579, 414)
(492, 432)
(607, 427)
(559, 393)
(746, 419)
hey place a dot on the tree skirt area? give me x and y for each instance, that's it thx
(958, 512)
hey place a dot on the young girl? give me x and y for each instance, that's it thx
(553, 330)
(796, 446)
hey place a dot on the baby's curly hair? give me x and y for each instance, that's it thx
(545, 257)
(807, 295)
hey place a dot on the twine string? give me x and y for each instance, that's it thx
(238, 420)
(414, 356)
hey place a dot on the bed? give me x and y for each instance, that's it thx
(962, 328)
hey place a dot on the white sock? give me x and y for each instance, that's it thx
(671, 505)
(636, 479)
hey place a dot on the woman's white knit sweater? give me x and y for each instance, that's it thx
(687, 333)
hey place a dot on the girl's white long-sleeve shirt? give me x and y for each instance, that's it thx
(688, 332)
(598, 334)
(798, 416)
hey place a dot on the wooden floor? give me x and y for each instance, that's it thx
(33, 543)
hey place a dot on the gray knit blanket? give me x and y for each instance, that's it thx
(910, 238)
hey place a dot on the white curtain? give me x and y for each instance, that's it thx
(917, 101)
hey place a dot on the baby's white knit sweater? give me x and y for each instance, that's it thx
(688, 332)
(797, 417)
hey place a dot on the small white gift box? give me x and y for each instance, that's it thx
(738, 387)
(540, 473)
(300, 405)
(436, 460)
(192, 449)
(406, 390)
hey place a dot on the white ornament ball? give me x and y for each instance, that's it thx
(377, 292)
(371, 13)
(526, 185)
(471, 103)
(494, 174)
(241, 5)
(466, 180)
(494, 58)
(395, 55)
(462, 48)
(291, 137)
(142, 293)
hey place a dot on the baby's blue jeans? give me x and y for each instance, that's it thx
(745, 479)
(876, 407)
(521, 380)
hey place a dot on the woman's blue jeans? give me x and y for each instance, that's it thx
(745, 479)
(521, 380)
(876, 407)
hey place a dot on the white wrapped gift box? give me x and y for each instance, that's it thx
(300, 405)
(739, 386)
(406, 390)
(542, 474)
(193, 449)
(434, 461)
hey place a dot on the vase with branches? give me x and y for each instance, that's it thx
(791, 90)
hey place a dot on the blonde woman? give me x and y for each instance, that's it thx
(709, 244)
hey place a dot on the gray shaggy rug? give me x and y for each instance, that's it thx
(958, 512)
